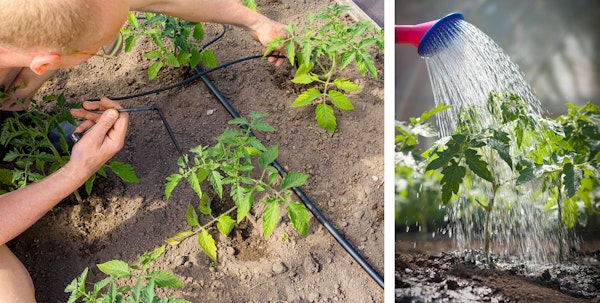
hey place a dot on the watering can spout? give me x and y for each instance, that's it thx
(412, 34)
(420, 35)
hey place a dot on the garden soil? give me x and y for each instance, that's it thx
(431, 271)
(123, 220)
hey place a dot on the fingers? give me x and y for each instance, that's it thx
(109, 126)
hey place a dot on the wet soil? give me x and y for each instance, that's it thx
(430, 271)
(122, 220)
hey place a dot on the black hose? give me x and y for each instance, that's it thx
(307, 202)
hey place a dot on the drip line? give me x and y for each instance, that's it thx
(202, 74)
(307, 202)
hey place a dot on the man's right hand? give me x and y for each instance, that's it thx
(105, 134)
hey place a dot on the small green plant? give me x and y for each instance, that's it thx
(518, 148)
(178, 41)
(30, 154)
(417, 192)
(230, 163)
(324, 46)
(144, 282)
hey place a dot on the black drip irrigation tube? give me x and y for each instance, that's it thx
(202, 74)
(307, 202)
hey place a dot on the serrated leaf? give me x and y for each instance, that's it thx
(569, 179)
(115, 268)
(244, 202)
(124, 171)
(225, 224)
(216, 180)
(208, 58)
(153, 55)
(478, 166)
(339, 100)
(171, 60)
(133, 20)
(306, 97)
(207, 243)
(268, 156)
(172, 182)
(302, 79)
(198, 33)
(453, 176)
(298, 215)
(325, 117)
(269, 218)
(165, 279)
(293, 179)
(195, 58)
(129, 43)
(346, 58)
(290, 51)
(154, 69)
(346, 85)
(191, 216)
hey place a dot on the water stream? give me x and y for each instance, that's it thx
(466, 68)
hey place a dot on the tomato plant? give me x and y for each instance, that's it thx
(229, 163)
(322, 47)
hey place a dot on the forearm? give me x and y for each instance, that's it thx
(21, 208)
(216, 11)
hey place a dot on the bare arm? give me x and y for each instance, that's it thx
(261, 28)
(22, 208)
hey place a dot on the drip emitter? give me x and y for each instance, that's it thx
(430, 36)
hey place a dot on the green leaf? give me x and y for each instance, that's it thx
(346, 58)
(346, 85)
(89, 184)
(339, 100)
(453, 176)
(154, 69)
(207, 243)
(225, 224)
(293, 179)
(268, 156)
(306, 97)
(290, 52)
(191, 216)
(172, 182)
(195, 59)
(243, 201)
(270, 217)
(148, 257)
(569, 179)
(216, 180)
(165, 279)
(115, 268)
(171, 60)
(251, 4)
(195, 184)
(478, 166)
(129, 43)
(153, 55)
(77, 287)
(178, 238)
(570, 212)
(325, 118)
(208, 58)
(302, 79)
(298, 215)
(198, 33)
(133, 20)
(124, 171)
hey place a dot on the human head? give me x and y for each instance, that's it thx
(48, 31)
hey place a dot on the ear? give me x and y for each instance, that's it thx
(41, 62)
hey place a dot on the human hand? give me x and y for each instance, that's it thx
(102, 141)
(264, 32)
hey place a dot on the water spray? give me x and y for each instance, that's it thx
(428, 37)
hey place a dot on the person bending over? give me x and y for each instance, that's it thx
(38, 37)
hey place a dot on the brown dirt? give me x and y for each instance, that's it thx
(429, 271)
(121, 221)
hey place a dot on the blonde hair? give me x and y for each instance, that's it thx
(56, 25)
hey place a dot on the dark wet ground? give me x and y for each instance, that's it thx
(423, 275)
